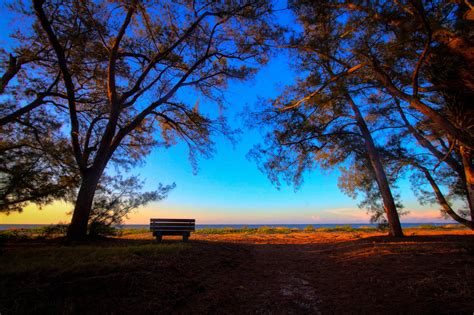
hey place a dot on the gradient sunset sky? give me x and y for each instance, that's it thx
(229, 189)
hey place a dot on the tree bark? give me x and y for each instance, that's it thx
(461, 169)
(80, 218)
(380, 175)
(443, 202)
(468, 164)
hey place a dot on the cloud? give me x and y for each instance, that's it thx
(341, 215)
(423, 216)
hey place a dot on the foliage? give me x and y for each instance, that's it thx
(115, 72)
(116, 198)
(397, 53)
(35, 163)
(329, 118)
(53, 230)
(49, 231)
(347, 228)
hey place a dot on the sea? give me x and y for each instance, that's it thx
(238, 226)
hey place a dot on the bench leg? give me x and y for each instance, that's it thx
(185, 237)
(159, 237)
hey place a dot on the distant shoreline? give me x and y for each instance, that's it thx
(239, 226)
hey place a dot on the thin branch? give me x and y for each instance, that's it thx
(324, 85)
(46, 25)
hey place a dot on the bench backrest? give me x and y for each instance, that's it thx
(173, 225)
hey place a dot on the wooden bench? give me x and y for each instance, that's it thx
(161, 227)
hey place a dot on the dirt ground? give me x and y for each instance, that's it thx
(297, 273)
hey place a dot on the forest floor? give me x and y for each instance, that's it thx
(428, 271)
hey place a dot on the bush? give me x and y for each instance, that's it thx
(16, 234)
(53, 230)
(383, 226)
(309, 228)
(97, 228)
(275, 230)
(431, 227)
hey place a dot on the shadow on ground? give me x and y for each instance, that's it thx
(417, 274)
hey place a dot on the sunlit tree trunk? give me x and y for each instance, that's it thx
(380, 175)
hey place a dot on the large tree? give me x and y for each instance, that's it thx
(125, 68)
(400, 51)
(324, 119)
(419, 53)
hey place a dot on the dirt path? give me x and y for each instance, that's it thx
(300, 273)
(422, 274)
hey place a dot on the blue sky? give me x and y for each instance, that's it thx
(229, 188)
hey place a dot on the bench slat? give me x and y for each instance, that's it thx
(173, 228)
(176, 227)
(172, 220)
(172, 224)
(164, 233)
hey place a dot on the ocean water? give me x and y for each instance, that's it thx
(236, 226)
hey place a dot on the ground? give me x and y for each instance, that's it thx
(293, 273)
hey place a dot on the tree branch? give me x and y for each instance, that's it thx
(46, 25)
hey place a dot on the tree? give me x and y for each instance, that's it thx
(402, 48)
(124, 67)
(320, 121)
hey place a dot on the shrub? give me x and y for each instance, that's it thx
(53, 230)
(97, 228)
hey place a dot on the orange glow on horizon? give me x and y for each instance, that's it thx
(57, 213)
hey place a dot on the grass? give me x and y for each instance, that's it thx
(348, 228)
(47, 277)
(55, 260)
(440, 227)
(226, 230)
(59, 230)
(54, 231)
(44, 232)
(283, 230)
(247, 230)
(124, 232)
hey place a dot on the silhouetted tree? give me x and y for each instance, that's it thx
(321, 121)
(123, 68)
(403, 48)
(399, 51)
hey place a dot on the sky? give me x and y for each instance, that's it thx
(229, 188)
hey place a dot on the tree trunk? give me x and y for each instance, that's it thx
(468, 164)
(80, 217)
(381, 177)
(443, 202)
